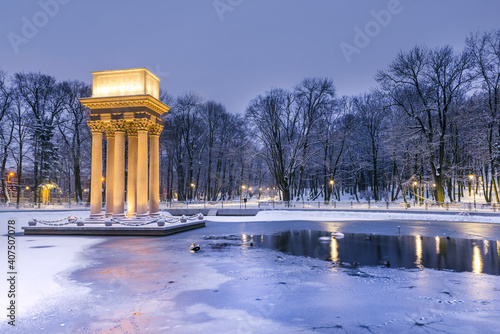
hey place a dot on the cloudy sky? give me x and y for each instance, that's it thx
(231, 50)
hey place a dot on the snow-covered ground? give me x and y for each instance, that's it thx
(70, 284)
(285, 215)
(43, 263)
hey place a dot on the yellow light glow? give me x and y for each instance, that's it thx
(193, 185)
(11, 174)
(243, 187)
(415, 183)
(471, 176)
(438, 242)
(27, 188)
(477, 261)
(103, 179)
(418, 247)
(331, 182)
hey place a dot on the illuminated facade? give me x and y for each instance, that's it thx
(125, 108)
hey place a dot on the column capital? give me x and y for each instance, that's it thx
(143, 124)
(131, 128)
(155, 129)
(96, 126)
(119, 125)
(110, 130)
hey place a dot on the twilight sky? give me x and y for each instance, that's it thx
(231, 50)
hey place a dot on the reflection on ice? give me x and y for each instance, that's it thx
(418, 248)
(334, 252)
(442, 253)
(477, 263)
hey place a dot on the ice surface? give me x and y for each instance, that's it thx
(156, 285)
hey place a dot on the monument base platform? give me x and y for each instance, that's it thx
(115, 230)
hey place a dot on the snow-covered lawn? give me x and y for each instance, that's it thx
(286, 215)
(70, 284)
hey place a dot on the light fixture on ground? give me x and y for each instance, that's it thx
(125, 107)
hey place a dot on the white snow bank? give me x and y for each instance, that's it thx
(283, 215)
(42, 262)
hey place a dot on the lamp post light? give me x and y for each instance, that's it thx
(331, 184)
(192, 190)
(415, 184)
(9, 175)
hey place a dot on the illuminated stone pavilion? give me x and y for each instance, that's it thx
(125, 108)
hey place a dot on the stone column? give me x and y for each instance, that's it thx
(132, 169)
(154, 170)
(119, 168)
(142, 168)
(97, 128)
(110, 163)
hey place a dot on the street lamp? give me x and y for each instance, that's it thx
(331, 184)
(415, 184)
(11, 174)
(192, 190)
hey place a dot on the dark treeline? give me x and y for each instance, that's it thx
(430, 129)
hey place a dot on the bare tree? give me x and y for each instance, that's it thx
(315, 99)
(371, 114)
(277, 124)
(484, 49)
(73, 128)
(424, 83)
(43, 97)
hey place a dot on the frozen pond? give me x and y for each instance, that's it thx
(360, 249)
(157, 285)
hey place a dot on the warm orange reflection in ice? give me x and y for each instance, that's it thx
(438, 242)
(334, 254)
(418, 245)
(486, 246)
(477, 261)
